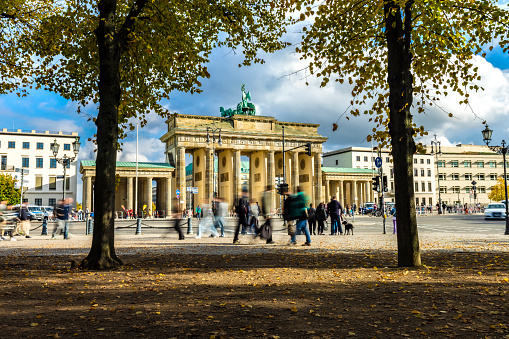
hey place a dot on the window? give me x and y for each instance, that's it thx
(38, 183)
(467, 189)
(482, 189)
(417, 187)
(358, 158)
(468, 176)
(441, 176)
(4, 162)
(336, 162)
(67, 147)
(493, 177)
(365, 159)
(423, 187)
(493, 164)
(415, 161)
(392, 173)
(67, 183)
(480, 163)
(38, 202)
(25, 200)
(455, 176)
(52, 163)
(441, 163)
(392, 185)
(431, 201)
(480, 176)
(11, 144)
(428, 161)
(443, 189)
(429, 173)
(38, 163)
(25, 162)
(52, 202)
(422, 161)
(467, 163)
(387, 160)
(455, 189)
(422, 173)
(416, 201)
(454, 163)
(26, 145)
(416, 173)
(429, 187)
(40, 145)
(52, 183)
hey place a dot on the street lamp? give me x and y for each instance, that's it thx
(486, 135)
(436, 148)
(65, 160)
(219, 143)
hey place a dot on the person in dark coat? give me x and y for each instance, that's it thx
(243, 210)
(312, 219)
(320, 216)
(335, 211)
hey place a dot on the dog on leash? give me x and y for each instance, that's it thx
(348, 227)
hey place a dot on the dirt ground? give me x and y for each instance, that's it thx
(289, 294)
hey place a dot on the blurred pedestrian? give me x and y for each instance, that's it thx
(62, 218)
(243, 210)
(220, 212)
(300, 209)
(265, 230)
(206, 222)
(24, 217)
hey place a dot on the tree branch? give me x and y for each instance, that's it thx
(128, 24)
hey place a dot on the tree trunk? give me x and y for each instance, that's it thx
(400, 82)
(102, 253)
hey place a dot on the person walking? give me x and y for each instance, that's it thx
(206, 222)
(62, 217)
(219, 213)
(243, 210)
(321, 216)
(178, 219)
(198, 212)
(300, 212)
(24, 216)
(335, 210)
(312, 219)
(393, 212)
(255, 217)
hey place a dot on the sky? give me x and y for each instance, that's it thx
(274, 93)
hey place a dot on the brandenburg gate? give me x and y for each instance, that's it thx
(237, 134)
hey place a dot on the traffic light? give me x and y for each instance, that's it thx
(384, 183)
(282, 188)
(376, 183)
(308, 148)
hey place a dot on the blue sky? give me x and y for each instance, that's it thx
(274, 94)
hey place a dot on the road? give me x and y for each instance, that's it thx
(449, 223)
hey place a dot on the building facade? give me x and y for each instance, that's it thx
(31, 151)
(461, 165)
(364, 158)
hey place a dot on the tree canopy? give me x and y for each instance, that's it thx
(399, 56)
(498, 191)
(7, 191)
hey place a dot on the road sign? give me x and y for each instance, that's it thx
(60, 176)
(194, 190)
(188, 188)
(177, 192)
(378, 162)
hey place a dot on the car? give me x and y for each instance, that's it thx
(36, 212)
(494, 211)
(48, 212)
(368, 207)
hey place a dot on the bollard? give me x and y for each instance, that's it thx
(189, 225)
(44, 227)
(138, 227)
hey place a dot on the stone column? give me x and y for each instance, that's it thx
(148, 192)
(318, 177)
(295, 171)
(327, 191)
(209, 174)
(129, 193)
(366, 191)
(251, 175)
(167, 196)
(236, 176)
(88, 189)
(271, 177)
(181, 173)
(354, 195)
(341, 196)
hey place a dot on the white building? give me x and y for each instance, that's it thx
(364, 157)
(31, 150)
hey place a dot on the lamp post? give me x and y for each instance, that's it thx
(65, 160)
(436, 148)
(219, 143)
(502, 149)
